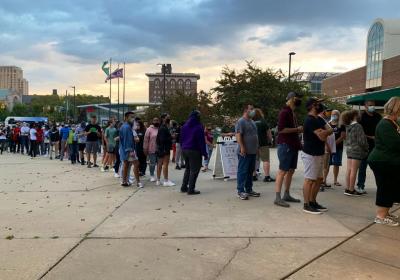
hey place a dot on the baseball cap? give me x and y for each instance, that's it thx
(292, 94)
(312, 100)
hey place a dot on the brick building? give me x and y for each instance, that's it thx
(185, 82)
(382, 69)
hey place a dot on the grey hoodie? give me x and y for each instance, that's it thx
(356, 142)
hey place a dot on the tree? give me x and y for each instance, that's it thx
(265, 89)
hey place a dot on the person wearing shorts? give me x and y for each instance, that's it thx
(316, 132)
(109, 137)
(80, 132)
(340, 135)
(288, 149)
(93, 134)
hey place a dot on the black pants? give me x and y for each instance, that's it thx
(24, 144)
(387, 180)
(142, 163)
(193, 166)
(33, 150)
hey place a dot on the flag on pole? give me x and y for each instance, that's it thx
(105, 69)
(119, 73)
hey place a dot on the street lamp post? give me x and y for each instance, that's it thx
(74, 109)
(290, 62)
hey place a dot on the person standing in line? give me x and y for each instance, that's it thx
(288, 149)
(164, 146)
(246, 136)
(46, 140)
(209, 147)
(140, 132)
(17, 138)
(39, 140)
(109, 137)
(150, 146)
(179, 161)
(357, 149)
(33, 143)
(73, 144)
(64, 133)
(340, 135)
(369, 120)
(25, 138)
(3, 139)
(80, 131)
(126, 148)
(384, 161)
(330, 147)
(193, 148)
(117, 164)
(264, 139)
(316, 132)
(93, 134)
(54, 142)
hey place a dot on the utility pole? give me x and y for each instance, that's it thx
(290, 62)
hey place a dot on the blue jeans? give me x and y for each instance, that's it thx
(246, 167)
(362, 174)
(209, 153)
(153, 163)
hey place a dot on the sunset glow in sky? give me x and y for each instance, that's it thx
(63, 43)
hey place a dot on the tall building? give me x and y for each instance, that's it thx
(313, 80)
(11, 77)
(382, 64)
(185, 82)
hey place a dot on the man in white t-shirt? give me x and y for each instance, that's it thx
(24, 138)
(33, 138)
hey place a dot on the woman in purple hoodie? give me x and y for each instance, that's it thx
(193, 148)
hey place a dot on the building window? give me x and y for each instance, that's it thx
(375, 56)
(157, 83)
(187, 84)
(173, 83)
(180, 84)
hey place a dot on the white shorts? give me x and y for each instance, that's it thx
(313, 166)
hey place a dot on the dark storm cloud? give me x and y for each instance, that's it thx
(138, 30)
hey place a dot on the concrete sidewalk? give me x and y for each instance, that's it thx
(60, 221)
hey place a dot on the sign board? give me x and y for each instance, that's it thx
(224, 160)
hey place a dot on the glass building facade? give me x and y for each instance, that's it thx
(374, 56)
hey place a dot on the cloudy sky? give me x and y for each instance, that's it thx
(62, 43)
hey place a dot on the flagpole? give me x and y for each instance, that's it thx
(123, 94)
(118, 94)
(109, 109)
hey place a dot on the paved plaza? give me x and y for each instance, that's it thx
(60, 221)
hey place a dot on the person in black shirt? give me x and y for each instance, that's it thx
(93, 134)
(316, 131)
(369, 121)
(164, 146)
(340, 135)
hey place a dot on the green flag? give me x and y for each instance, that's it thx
(106, 69)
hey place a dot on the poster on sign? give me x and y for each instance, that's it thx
(225, 161)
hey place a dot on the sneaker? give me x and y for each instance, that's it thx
(268, 179)
(311, 210)
(387, 221)
(125, 185)
(351, 193)
(139, 185)
(95, 165)
(169, 183)
(243, 196)
(51, 158)
(255, 178)
(89, 165)
(102, 169)
(158, 183)
(393, 216)
(289, 198)
(361, 191)
(193, 192)
(318, 206)
(152, 179)
(116, 175)
(177, 167)
(253, 194)
(184, 190)
(281, 203)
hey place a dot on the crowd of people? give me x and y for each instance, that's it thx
(133, 146)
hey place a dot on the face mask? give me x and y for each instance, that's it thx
(252, 113)
(297, 102)
(156, 124)
(371, 109)
(334, 118)
(167, 121)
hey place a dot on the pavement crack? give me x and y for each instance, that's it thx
(86, 235)
(235, 253)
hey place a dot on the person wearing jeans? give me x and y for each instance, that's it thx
(247, 138)
(193, 148)
(150, 146)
